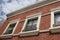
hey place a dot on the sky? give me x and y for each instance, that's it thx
(12, 5)
(8, 6)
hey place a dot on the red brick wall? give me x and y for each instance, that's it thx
(44, 24)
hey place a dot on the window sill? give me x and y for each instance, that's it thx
(55, 29)
(6, 36)
(30, 33)
(55, 25)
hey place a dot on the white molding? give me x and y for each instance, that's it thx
(31, 17)
(34, 8)
(52, 16)
(34, 15)
(18, 20)
(46, 30)
(52, 19)
(55, 9)
(40, 31)
(6, 36)
(13, 21)
(38, 24)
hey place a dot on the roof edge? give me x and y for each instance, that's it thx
(32, 7)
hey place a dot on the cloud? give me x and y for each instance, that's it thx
(3, 16)
(12, 5)
(2, 19)
(9, 6)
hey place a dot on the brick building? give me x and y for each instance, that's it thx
(39, 21)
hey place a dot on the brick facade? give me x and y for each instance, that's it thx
(44, 24)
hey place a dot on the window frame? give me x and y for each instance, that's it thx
(52, 17)
(10, 22)
(52, 28)
(26, 20)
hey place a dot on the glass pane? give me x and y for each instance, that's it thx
(31, 25)
(34, 27)
(10, 28)
(57, 18)
(27, 28)
(35, 22)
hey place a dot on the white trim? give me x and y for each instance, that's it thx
(34, 8)
(13, 21)
(46, 30)
(40, 31)
(52, 19)
(27, 33)
(55, 9)
(52, 28)
(52, 16)
(31, 17)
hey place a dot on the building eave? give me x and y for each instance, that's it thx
(31, 7)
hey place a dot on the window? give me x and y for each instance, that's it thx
(10, 29)
(31, 25)
(55, 20)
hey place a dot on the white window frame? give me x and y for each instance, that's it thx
(52, 28)
(27, 18)
(52, 17)
(10, 22)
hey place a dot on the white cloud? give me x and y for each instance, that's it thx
(2, 19)
(14, 5)
(17, 4)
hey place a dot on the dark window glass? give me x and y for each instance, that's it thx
(31, 25)
(57, 18)
(10, 28)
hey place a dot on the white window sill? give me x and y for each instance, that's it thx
(6, 36)
(55, 29)
(29, 33)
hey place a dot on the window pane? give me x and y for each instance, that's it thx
(31, 25)
(10, 28)
(35, 22)
(57, 18)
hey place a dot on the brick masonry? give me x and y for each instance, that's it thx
(44, 24)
